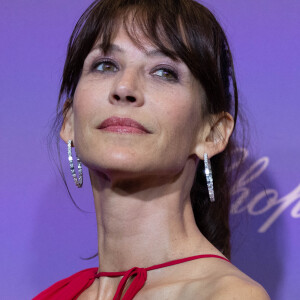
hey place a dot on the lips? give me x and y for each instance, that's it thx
(122, 125)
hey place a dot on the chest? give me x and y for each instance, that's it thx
(179, 291)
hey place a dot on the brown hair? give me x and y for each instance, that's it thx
(198, 40)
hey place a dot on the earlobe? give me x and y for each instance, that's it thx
(215, 135)
(67, 129)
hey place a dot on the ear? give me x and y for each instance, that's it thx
(214, 137)
(67, 129)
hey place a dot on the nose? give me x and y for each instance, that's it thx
(127, 89)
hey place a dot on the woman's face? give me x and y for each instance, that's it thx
(147, 87)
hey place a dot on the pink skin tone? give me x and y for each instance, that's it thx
(141, 180)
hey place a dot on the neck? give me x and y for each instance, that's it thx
(145, 221)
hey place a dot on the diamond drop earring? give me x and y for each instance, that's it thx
(78, 181)
(209, 178)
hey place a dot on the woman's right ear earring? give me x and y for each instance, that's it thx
(209, 178)
(78, 181)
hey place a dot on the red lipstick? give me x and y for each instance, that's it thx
(122, 125)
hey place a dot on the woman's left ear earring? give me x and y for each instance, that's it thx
(209, 178)
(78, 181)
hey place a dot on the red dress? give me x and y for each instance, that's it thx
(70, 288)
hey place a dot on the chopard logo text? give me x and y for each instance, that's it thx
(264, 200)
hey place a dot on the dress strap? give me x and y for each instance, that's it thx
(182, 260)
(141, 275)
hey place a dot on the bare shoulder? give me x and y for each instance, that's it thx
(224, 282)
(231, 287)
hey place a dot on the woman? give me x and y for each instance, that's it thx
(150, 97)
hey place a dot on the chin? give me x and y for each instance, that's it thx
(130, 164)
(116, 162)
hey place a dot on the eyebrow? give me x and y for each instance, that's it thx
(116, 48)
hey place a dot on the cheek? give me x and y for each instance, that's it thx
(88, 98)
(183, 119)
(85, 98)
(180, 123)
(85, 108)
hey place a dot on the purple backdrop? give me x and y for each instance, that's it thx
(43, 236)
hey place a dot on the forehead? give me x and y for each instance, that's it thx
(152, 41)
(121, 42)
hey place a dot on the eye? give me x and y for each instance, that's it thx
(166, 74)
(106, 66)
